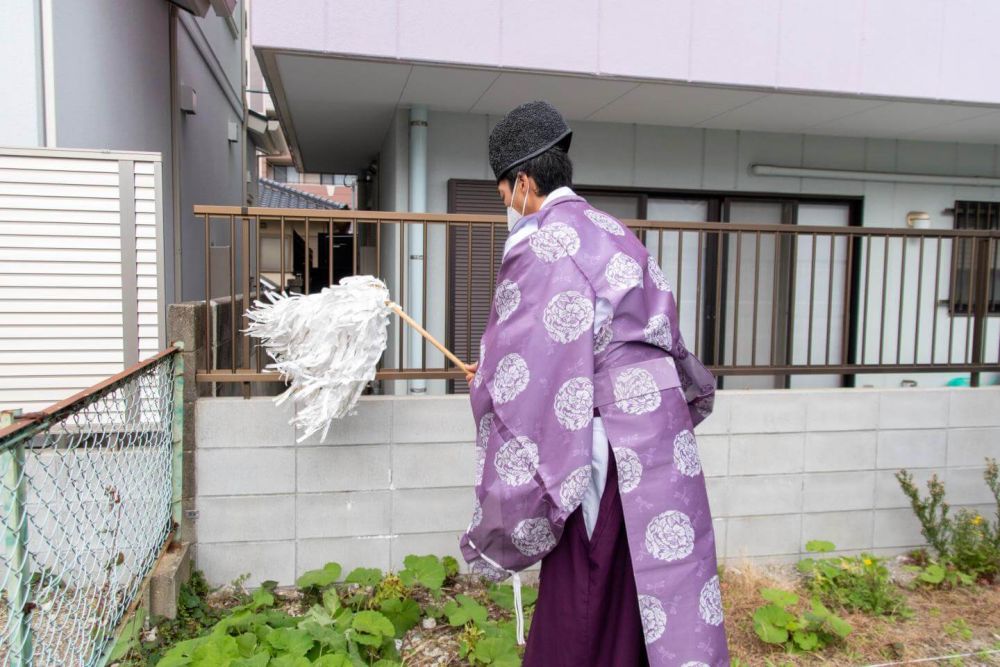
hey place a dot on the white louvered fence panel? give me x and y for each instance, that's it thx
(63, 286)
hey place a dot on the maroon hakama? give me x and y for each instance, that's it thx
(587, 613)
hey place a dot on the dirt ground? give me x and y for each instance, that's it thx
(875, 641)
(941, 618)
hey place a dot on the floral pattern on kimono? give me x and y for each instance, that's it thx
(544, 372)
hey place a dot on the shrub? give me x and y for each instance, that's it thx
(967, 545)
(853, 582)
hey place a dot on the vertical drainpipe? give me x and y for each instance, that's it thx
(175, 155)
(244, 163)
(415, 240)
(46, 63)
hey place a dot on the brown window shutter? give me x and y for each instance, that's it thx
(472, 196)
(471, 273)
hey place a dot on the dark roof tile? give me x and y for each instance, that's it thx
(272, 194)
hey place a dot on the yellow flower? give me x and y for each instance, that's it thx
(977, 520)
(868, 561)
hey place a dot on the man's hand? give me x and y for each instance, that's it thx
(471, 371)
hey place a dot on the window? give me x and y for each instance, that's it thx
(285, 174)
(707, 272)
(337, 179)
(972, 257)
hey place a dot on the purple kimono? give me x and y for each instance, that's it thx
(544, 373)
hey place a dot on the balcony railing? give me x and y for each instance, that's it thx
(758, 303)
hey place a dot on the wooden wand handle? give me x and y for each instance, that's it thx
(423, 332)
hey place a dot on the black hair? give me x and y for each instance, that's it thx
(551, 169)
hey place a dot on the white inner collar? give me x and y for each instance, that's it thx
(528, 224)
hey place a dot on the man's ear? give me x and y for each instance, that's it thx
(533, 186)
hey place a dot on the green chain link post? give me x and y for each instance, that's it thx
(177, 439)
(16, 546)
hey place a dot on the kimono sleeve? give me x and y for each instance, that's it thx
(697, 382)
(536, 429)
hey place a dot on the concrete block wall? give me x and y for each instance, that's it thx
(782, 468)
(394, 479)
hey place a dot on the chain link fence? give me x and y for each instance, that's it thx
(89, 493)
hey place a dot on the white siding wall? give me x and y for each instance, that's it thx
(63, 306)
(147, 257)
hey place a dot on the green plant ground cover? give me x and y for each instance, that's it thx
(464, 620)
(938, 606)
(425, 614)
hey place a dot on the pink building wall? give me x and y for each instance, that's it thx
(925, 49)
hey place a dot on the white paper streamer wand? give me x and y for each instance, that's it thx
(328, 345)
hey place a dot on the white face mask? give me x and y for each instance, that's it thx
(512, 215)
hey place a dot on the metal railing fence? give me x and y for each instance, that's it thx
(89, 496)
(764, 300)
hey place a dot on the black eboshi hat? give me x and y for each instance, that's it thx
(526, 132)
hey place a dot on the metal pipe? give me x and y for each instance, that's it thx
(829, 297)
(415, 239)
(47, 68)
(177, 440)
(16, 546)
(175, 163)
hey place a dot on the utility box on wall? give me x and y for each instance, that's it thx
(81, 269)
